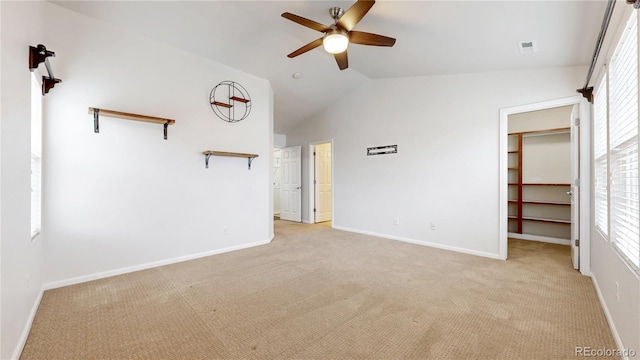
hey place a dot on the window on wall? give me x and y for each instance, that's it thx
(616, 131)
(36, 155)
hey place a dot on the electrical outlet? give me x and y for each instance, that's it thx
(396, 221)
(433, 226)
(617, 292)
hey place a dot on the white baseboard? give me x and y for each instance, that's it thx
(418, 242)
(106, 274)
(27, 328)
(607, 315)
(546, 239)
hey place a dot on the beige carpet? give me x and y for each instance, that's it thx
(319, 293)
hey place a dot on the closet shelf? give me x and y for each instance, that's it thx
(542, 132)
(555, 221)
(208, 153)
(128, 116)
(543, 197)
(544, 184)
(537, 202)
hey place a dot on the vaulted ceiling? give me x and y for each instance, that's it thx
(433, 37)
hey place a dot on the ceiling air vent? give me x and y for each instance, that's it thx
(527, 47)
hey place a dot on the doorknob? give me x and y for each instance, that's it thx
(299, 187)
(569, 193)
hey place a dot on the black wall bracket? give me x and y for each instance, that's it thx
(38, 55)
(206, 160)
(587, 93)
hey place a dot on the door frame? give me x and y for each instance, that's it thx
(585, 173)
(312, 188)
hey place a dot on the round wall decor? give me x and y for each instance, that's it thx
(230, 101)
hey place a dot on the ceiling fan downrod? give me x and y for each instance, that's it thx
(335, 13)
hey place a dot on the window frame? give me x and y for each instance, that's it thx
(36, 123)
(622, 146)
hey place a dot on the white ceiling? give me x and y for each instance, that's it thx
(433, 37)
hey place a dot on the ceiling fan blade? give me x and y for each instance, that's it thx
(342, 60)
(355, 13)
(310, 46)
(365, 38)
(306, 22)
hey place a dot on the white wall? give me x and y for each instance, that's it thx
(21, 259)
(125, 198)
(554, 118)
(446, 170)
(279, 140)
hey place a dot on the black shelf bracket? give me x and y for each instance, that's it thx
(38, 55)
(166, 126)
(206, 160)
(96, 120)
(250, 160)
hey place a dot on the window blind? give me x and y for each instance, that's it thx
(600, 155)
(623, 145)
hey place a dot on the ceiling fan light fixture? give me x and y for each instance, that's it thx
(335, 42)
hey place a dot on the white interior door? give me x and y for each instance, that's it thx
(322, 183)
(290, 185)
(575, 186)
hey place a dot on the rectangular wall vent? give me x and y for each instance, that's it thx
(527, 47)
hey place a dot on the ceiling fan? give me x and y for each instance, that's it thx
(337, 37)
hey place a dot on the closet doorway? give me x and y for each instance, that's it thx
(539, 169)
(541, 174)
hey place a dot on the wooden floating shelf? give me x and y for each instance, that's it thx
(128, 116)
(208, 153)
(229, 106)
(242, 100)
(218, 103)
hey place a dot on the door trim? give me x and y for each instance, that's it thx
(312, 193)
(585, 173)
